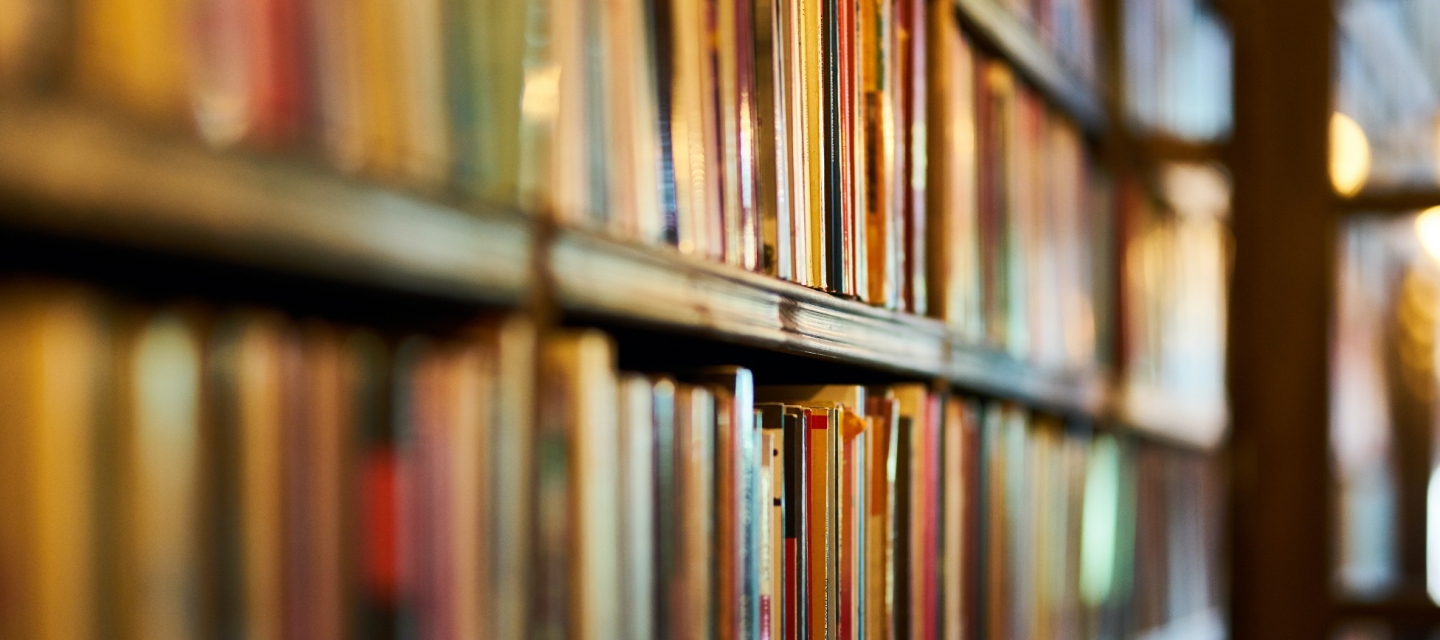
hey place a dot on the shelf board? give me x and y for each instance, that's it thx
(1406, 609)
(1161, 415)
(66, 171)
(1156, 148)
(996, 373)
(1395, 201)
(1018, 43)
(662, 287)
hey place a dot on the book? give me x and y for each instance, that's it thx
(733, 392)
(777, 572)
(157, 451)
(56, 342)
(637, 431)
(322, 479)
(580, 483)
(695, 598)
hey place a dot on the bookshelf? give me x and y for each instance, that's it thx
(78, 171)
(114, 182)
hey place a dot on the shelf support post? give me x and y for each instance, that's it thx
(1281, 305)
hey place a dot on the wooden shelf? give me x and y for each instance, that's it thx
(1200, 423)
(1397, 201)
(67, 172)
(1017, 42)
(1002, 375)
(1409, 609)
(662, 287)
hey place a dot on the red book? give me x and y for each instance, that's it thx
(279, 59)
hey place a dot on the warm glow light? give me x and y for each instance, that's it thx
(1427, 227)
(1349, 155)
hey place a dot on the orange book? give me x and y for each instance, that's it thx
(818, 522)
(132, 53)
(329, 379)
(853, 441)
(248, 378)
(53, 340)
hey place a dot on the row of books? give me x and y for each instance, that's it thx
(860, 147)
(1387, 79)
(1178, 67)
(833, 511)
(1020, 231)
(180, 470)
(1066, 27)
(1093, 536)
(1177, 270)
(1382, 404)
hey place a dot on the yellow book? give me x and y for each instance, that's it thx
(340, 82)
(382, 103)
(54, 344)
(812, 93)
(955, 566)
(31, 36)
(424, 139)
(134, 53)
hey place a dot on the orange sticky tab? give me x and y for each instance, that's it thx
(851, 424)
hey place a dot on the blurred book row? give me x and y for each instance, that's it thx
(860, 147)
(1178, 65)
(1173, 297)
(1387, 89)
(1067, 28)
(182, 470)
